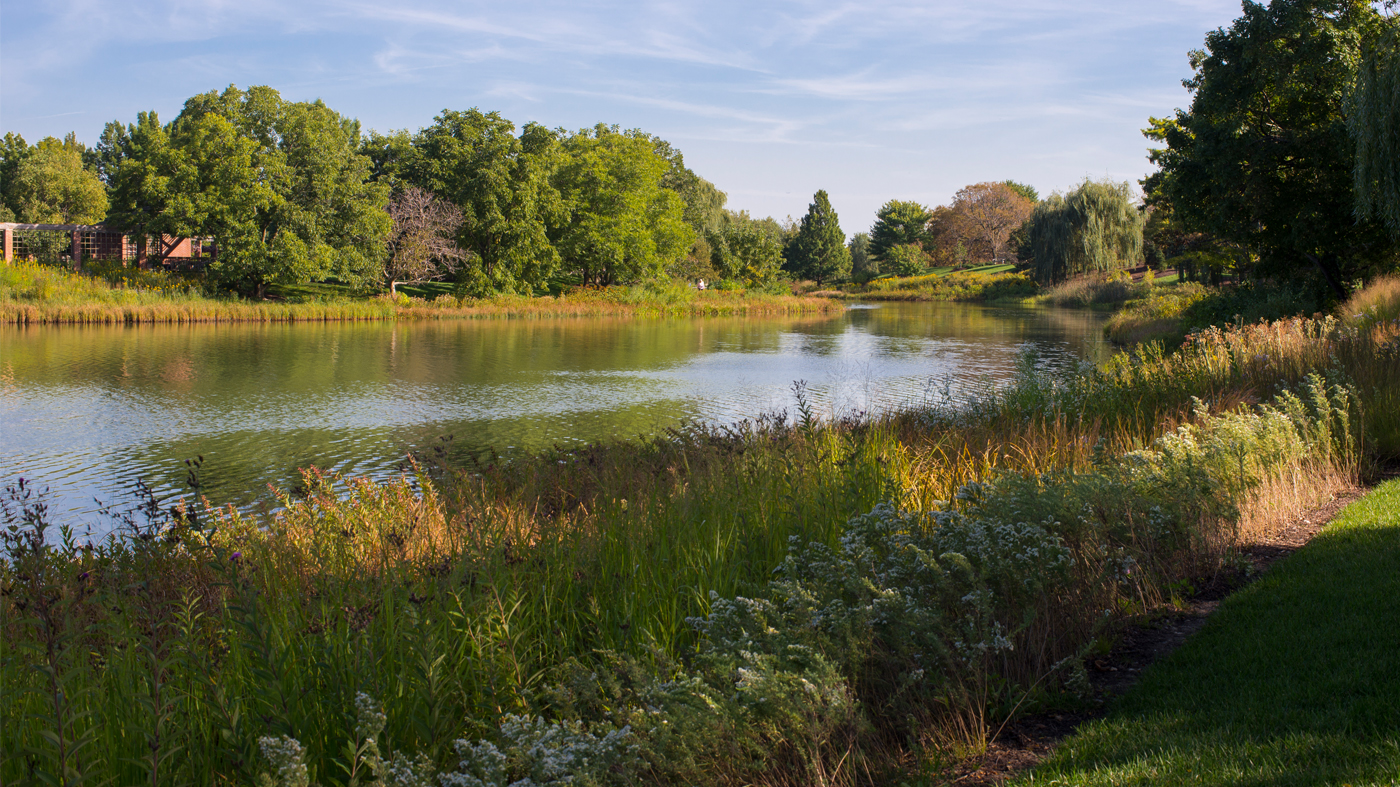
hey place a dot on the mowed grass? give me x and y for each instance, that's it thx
(1294, 681)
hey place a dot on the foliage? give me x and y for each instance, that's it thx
(989, 213)
(906, 259)
(501, 183)
(1373, 120)
(746, 252)
(898, 223)
(622, 223)
(52, 186)
(280, 186)
(1262, 157)
(818, 250)
(864, 266)
(1029, 192)
(1095, 228)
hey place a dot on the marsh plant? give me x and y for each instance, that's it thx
(786, 601)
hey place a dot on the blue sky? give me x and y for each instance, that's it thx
(769, 100)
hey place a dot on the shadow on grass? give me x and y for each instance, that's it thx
(1294, 681)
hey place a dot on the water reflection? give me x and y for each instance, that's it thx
(86, 409)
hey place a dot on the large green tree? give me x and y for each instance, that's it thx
(898, 222)
(1262, 157)
(622, 223)
(281, 187)
(500, 182)
(52, 186)
(746, 251)
(1094, 228)
(818, 250)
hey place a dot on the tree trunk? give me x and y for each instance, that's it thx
(1329, 273)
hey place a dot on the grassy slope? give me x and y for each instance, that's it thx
(1295, 681)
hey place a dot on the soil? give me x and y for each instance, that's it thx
(1024, 742)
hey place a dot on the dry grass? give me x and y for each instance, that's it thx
(34, 294)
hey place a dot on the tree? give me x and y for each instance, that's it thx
(747, 252)
(1096, 227)
(13, 151)
(818, 250)
(502, 184)
(1374, 124)
(896, 223)
(622, 224)
(864, 267)
(1028, 192)
(281, 187)
(51, 185)
(1262, 158)
(906, 259)
(422, 246)
(286, 193)
(989, 213)
(139, 162)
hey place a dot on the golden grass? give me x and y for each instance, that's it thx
(33, 294)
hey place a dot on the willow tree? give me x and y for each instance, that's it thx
(1096, 227)
(1374, 124)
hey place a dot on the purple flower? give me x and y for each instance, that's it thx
(236, 556)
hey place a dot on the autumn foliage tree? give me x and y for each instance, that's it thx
(988, 213)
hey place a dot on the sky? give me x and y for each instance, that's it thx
(770, 101)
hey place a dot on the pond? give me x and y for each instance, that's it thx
(86, 411)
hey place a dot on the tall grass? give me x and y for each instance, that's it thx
(790, 600)
(31, 293)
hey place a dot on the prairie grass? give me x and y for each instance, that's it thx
(31, 293)
(790, 600)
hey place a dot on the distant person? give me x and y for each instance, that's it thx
(701, 285)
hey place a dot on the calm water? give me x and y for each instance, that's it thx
(86, 410)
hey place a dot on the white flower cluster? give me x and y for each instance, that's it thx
(288, 760)
(537, 753)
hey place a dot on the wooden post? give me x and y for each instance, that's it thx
(9, 244)
(77, 236)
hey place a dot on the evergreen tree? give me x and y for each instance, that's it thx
(864, 267)
(818, 250)
(897, 223)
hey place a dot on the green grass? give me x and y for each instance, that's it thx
(1294, 681)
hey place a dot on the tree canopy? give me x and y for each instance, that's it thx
(818, 250)
(622, 224)
(989, 213)
(1262, 158)
(1096, 227)
(280, 186)
(898, 222)
(501, 183)
(1374, 124)
(49, 184)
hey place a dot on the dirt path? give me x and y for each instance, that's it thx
(1025, 742)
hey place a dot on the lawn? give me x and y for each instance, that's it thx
(1294, 681)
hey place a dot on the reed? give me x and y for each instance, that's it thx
(35, 294)
(776, 602)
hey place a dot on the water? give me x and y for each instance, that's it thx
(87, 410)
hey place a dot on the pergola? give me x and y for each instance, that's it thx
(97, 242)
